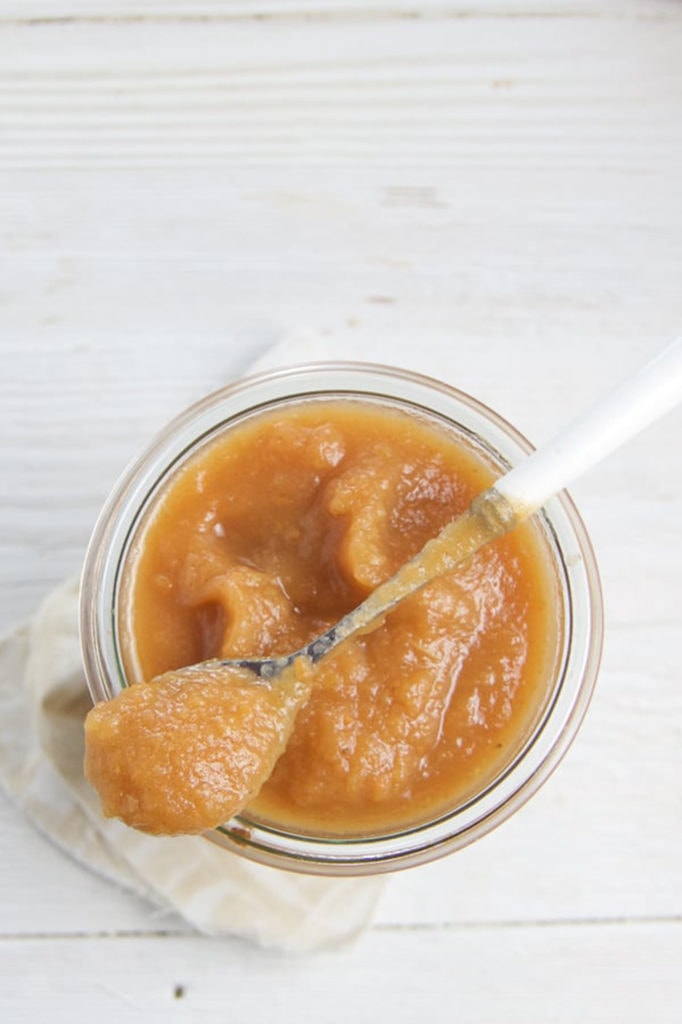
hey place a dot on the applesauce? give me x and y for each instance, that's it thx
(416, 747)
(273, 532)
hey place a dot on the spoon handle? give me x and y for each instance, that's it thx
(640, 400)
(629, 408)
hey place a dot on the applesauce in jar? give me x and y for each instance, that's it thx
(276, 528)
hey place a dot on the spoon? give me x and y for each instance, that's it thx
(188, 750)
(630, 407)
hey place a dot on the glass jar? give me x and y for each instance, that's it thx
(567, 693)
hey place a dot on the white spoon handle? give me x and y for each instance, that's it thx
(640, 400)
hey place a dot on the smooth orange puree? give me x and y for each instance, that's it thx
(272, 532)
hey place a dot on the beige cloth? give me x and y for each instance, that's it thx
(43, 701)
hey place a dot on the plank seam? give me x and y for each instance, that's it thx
(341, 15)
(426, 926)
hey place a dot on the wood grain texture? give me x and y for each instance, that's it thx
(491, 192)
(565, 974)
(440, 94)
(43, 11)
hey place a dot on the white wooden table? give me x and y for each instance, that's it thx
(183, 183)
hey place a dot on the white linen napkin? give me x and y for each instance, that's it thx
(43, 700)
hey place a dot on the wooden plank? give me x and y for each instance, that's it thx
(457, 95)
(589, 973)
(230, 10)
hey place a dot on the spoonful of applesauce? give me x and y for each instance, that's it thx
(186, 751)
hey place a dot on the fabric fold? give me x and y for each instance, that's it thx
(43, 701)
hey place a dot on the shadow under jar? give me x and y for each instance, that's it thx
(265, 512)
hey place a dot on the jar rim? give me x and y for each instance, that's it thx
(561, 719)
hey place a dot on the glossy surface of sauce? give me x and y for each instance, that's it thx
(273, 532)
